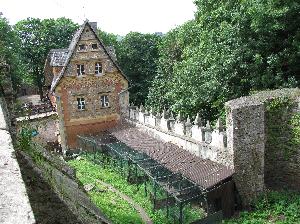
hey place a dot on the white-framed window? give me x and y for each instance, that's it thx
(98, 68)
(80, 103)
(80, 69)
(94, 46)
(104, 102)
(81, 47)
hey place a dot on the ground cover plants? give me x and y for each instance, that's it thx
(118, 210)
(272, 207)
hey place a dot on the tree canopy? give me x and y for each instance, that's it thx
(10, 66)
(137, 55)
(230, 49)
(37, 38)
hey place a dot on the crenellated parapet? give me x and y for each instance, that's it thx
(193, 135)
(256, 142)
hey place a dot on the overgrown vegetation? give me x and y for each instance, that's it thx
(25, 143)
(89, 172)
(272, 207)
(137, 55)
(283, 125)
(10, 64)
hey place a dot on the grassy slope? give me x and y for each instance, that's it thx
(116, 209)
(273, 207)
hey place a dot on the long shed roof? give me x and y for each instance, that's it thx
(203, 172)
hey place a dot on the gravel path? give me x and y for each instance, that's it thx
(141, 211)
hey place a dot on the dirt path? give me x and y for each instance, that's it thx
(141, 211)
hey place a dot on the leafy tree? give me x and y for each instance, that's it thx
(37, 38)
(228, 50)
(109, 39)
(137, 56)
(10, 66)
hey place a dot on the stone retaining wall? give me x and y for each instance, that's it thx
(14, 202)
(62, 180)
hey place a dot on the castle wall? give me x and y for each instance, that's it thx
(261, 134)
(246, 140)
(203, 141)
(15, 204)
(282, 151)
(261, 141)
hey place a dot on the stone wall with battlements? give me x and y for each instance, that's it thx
(195, 137)
(261, 140)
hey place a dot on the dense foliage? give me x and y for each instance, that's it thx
(272, 207)
(137, 56)
(10, 66)
(228, 50)
(109, 39)
(37, 38)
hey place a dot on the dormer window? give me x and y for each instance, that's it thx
(81, 47)
(94, 46)
(80, 70)
(104, 101)
(98, 68)
(81, 103)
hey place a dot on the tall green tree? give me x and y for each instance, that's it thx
(230, 49)
(10, 65)
(37, 38)
(109, 39)
(137, 55)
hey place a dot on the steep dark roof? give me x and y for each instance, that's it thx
(58, 57)
(71, 50)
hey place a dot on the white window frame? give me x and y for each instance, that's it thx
(80, 103)
(104, 101)
(98, 65)
(80, 69)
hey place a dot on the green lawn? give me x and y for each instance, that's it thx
(117, 209)
(273, 207)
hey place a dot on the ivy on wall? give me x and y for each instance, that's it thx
(295, 124)
(282, 127)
